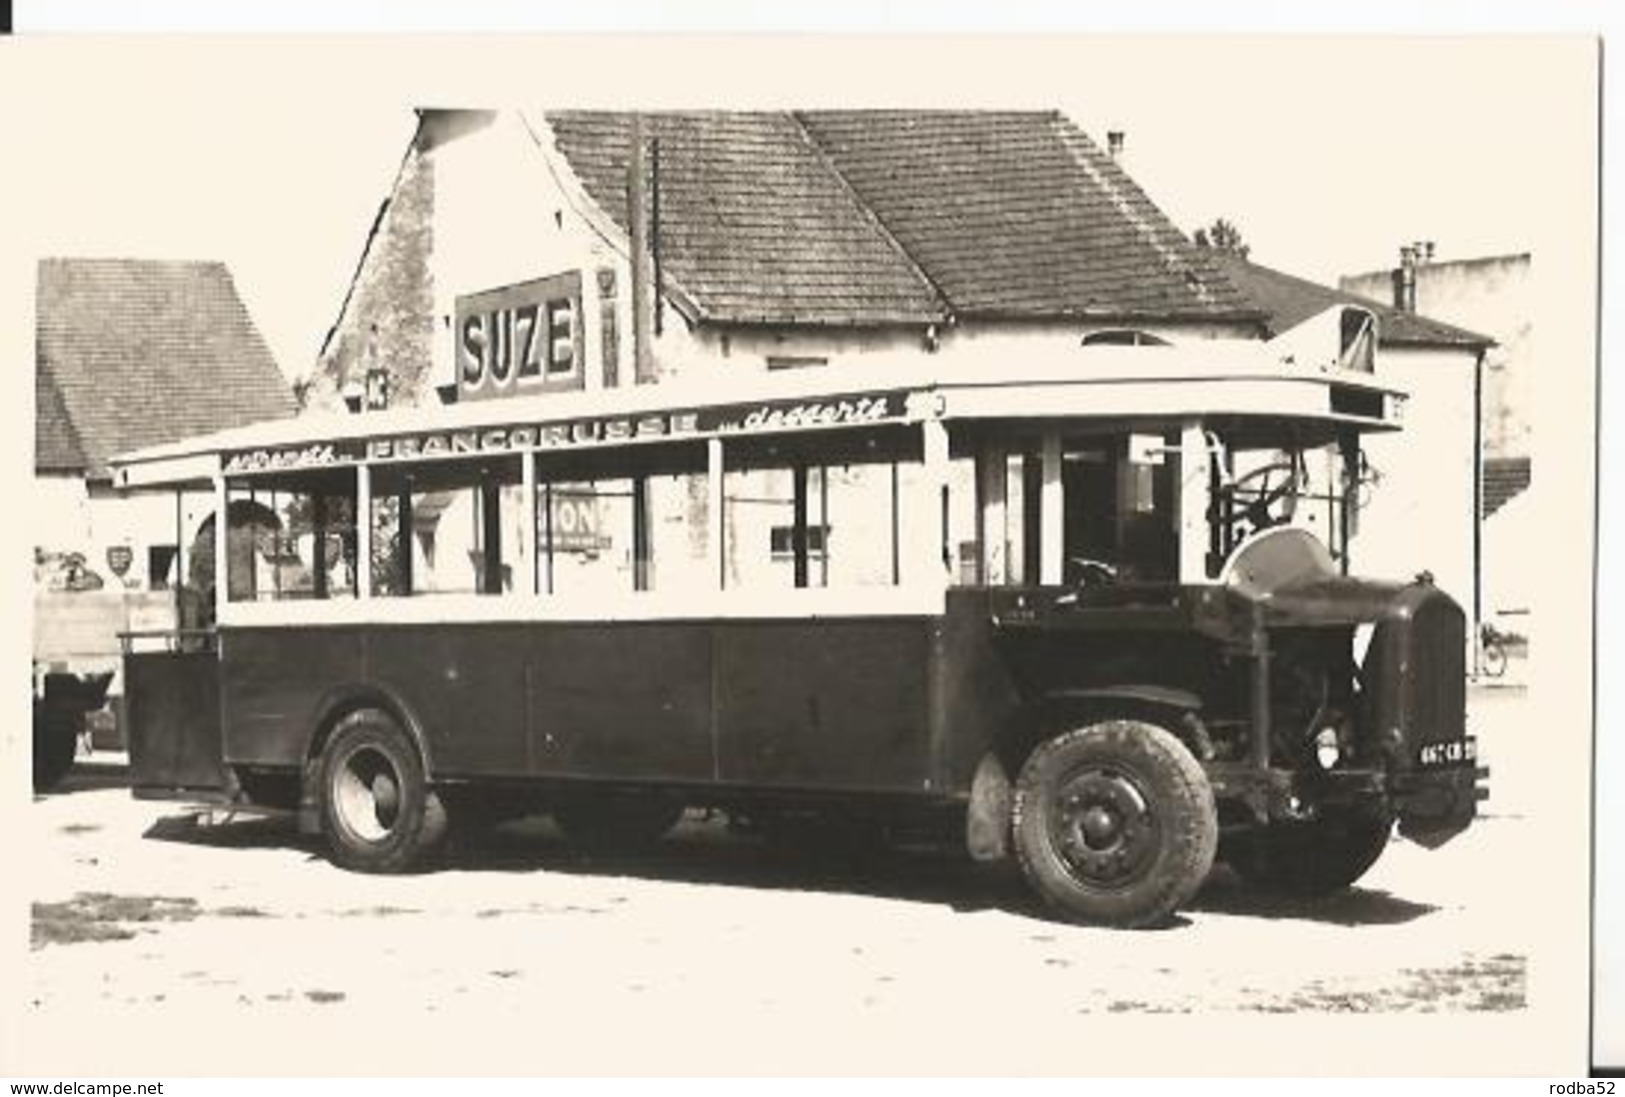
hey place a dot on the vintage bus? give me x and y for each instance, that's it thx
(1095, 615)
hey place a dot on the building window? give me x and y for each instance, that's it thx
(160, 566)
(782, 542)
(795, 361)
(1124, 337)
(377, 388)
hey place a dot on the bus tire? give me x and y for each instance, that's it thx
(1313, 858)
(1114, 823)
(610, 823)
(378, 812)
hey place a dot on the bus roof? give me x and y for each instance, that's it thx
(1233, 381)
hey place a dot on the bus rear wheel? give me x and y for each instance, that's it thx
(1114, 823)
(378, 811)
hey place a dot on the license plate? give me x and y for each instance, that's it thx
(1453, 752)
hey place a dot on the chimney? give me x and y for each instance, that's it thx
(1405, 275)
(1114, 143)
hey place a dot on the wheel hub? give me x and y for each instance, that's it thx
(1100, 826)
(1104, 829)
(367, 795)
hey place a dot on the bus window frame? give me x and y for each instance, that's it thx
(491, 473)
(636, 464)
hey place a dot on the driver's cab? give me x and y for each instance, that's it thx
(1150, 502)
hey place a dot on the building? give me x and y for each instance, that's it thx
(778, 241)
(502, 261)
(1492, 294)
(129, 353)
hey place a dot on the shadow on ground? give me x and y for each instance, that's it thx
(706, 852)
(1225, 894)
(89, 775)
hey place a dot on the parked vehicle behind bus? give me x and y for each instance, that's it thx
(1097, 616)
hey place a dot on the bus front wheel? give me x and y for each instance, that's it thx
(378, 811)
(1114, 823)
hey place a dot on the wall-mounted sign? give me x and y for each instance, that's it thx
(574, 521)
(758, 418)
(517, 339)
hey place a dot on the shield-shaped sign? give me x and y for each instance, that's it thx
(119, 558)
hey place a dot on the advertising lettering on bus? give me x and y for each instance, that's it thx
(762, 417)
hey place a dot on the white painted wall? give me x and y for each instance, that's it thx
(506, 212)
(1419, 514)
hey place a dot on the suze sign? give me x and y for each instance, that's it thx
(523, 338)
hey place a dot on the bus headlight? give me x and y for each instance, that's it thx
(1327, 750)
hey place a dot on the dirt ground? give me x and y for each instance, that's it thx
(167, 942)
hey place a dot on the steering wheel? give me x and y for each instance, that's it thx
(1258, 494)
(1091, 572)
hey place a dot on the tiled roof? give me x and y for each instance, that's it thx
(871, 217)
(1021, 214)
(1504, 478)
(754, 224)
(56, 443)
(140, 352)
(1288, 301)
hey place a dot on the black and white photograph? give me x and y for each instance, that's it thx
(987, 555)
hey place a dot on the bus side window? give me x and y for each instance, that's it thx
(586, 536)
(964, 528)
(615, 527)
(677, 509)
(1008, 494)
(284, 541)
(807, 518)
(449, 528)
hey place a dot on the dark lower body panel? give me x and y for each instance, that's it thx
(880, 707)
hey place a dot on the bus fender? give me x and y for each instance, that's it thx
(332, 707)
(987, 820)
(1177, 710)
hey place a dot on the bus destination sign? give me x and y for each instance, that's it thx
(756, 418)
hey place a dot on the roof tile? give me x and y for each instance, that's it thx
(1289, 300)
(131, 353)
(872, 217)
